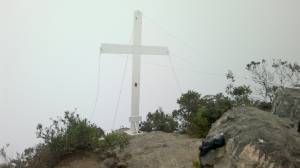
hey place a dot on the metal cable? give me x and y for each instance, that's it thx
(98, 86)
(120, 92)
(175, 75)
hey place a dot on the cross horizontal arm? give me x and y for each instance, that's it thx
(131, 49)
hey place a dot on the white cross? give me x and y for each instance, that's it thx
(136, 49)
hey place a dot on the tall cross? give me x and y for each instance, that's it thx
(136, 49)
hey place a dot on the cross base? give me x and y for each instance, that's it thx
(134, 124)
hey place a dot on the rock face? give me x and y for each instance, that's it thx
(147, 150)
(254, 139)
(287, 104)
(161, 150)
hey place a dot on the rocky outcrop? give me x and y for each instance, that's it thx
(147, 150)
(253, 139)
(287, 104)
(161, 150)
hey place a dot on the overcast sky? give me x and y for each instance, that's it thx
(49, 54)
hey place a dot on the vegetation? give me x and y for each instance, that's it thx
(114, 140)
(269, 77)
(196, 164)
(196, 115)
(240, 95)
(5, 159)
(159, 121)
(66, 136)
(216, 106)
(69, 134)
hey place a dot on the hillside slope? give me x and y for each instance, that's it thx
(147, 150)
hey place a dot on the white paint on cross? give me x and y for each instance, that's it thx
(136, 49)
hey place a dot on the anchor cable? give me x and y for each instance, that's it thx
(98, 86)
(120, 93)
(175, 74)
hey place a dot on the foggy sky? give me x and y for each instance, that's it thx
(49, 54)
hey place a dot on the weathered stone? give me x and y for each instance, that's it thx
(287, 104)
(254, 139)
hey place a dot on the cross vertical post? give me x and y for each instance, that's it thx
(136, 71)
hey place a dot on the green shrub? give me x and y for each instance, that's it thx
(196, 114)
(198, 125)
(215, 106)
(196, 164)
(115, 140)
(68, 135)
(159, 121)
(240, 95)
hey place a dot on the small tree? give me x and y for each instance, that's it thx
(199, 124)
(215, 107)
(4, 158)
(159, 121)
(68, 134)
(189, 103)
(269, 78)
(239, 94)
(196, 115)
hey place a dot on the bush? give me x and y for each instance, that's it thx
(66, 136)
(240, 95)
(198, 125)
(196, 164)
(4, 158)
(159, 121)
(216, 106)
(189, 103)
(196, 114)
(115, 140)
(70, 134)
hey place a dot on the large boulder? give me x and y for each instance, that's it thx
(253, 139)
(287, 103)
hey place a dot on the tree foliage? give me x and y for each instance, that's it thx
(4, 159)
(189, 103)
(239, 94)
(196, 114)
(159, 121)
(269, 77)
(216, 106)
(70, 133)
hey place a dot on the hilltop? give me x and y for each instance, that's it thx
(154, 149)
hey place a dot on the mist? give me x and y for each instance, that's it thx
(49, 55)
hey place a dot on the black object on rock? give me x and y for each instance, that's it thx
(212, 144)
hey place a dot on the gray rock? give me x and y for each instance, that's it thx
(254, 139)
(287, 104)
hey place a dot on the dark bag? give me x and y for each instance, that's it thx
(212, 144)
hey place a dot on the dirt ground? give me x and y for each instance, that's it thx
(148, 150)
